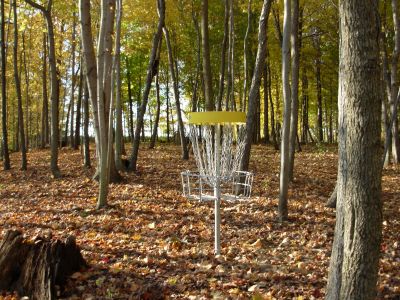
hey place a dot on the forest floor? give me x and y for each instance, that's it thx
(153, 243)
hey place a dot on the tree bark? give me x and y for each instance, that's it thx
(34, 268)
(284, 172)
(151, 72)
(266, 124)
(130, 97)
(359, 175)
(318, 62)
(18, 90)
(256, 81)
(6, 156)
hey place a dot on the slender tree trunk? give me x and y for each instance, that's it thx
(355, 254)
(73, 81)
(185, 151)
(18, 90)
(118, 104)
(318, 63)
(45, 109)
(271, 104)
(198, 67)
(256, 81)
(168, 104)
(266, 125)
(65, 139)
(208, 93)
(77, 135)
(295, 86)
(6, 157)
(54, 86)
(86, 138)
(90, 66)
(245, 56)
(304, 91)
(284, 173)
(27, 94)
(157, 119)
(223, 57)
(230, 103)
(151, 72)
(130, 97)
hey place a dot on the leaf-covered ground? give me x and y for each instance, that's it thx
(153, 243)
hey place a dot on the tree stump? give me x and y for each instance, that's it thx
(33, 268)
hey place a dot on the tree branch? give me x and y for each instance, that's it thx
(38, 6)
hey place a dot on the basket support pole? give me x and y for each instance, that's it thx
(217, 191)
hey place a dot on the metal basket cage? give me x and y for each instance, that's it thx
(232, 188)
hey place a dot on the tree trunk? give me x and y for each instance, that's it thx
(118, 105)
(86, 149)
(304, 91)
(318, 62)
(73, 81)
(77, 135)
(157, 119)
(295, 87)
(54, 87)
(359, 202)
(35, 268)
(6, 156)
(45, 109)
(130, 97)
(245, 56)
(266, 125)
(168, 103)
(284, 172)
(90, 66)
(185, 151)
(18, 90)
(223, 57)
(271, 102)
(151, 72)
(256, 81)
(208, 93)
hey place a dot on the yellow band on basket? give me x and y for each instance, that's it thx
(217, 117)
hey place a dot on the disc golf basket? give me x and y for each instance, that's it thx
(218, 140)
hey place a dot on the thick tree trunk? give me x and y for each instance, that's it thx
(208, 93)
(18, 90)
(256, 81)
(359, 175)
(284, 172)
(295, 87)
(185, 151)
(6, 156)
(35, 268)
(151, 72)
